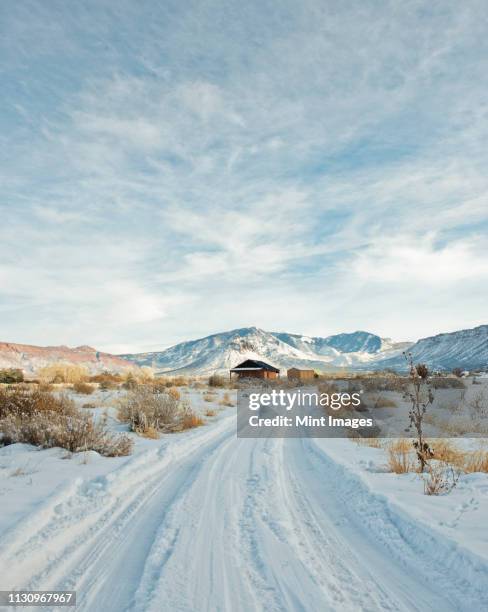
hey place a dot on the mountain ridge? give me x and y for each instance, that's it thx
(359, 350)
(221, 351)
(29, 357)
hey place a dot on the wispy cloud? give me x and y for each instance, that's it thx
(171, 169)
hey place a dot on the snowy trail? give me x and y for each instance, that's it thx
(215, 523)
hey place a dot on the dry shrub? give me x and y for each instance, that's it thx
(226, 401)
(191, 419)
(447, 382)
(108, 385)
(478, 405)
(21, 401)
(47, 421)
(174, 393)
(447, 452)
(83, 388)
(440, 478)
(160, 384)
(11, 376)
(63, 373)
(476, 461)
(108, 379)
(209, 397)
(180, 381)
(401, 456)
(210, 413)
(137, 376)
(151, 433)
(466, 461)
(457, 426)
(216, 381)
(145, 408)
(89, 406)
(384, 382)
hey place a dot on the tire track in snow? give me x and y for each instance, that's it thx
(91, 516)
(400, 559)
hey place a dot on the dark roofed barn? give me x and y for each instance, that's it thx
(252, 368)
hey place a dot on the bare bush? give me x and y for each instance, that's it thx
(106, 380)
(216, 381)
(226, 401)
(478, 405)
(45, 420)
(11, 376)
(145, 408)
(447, 382)
(420, 396)
(441, 478)
(83, 388)
(174, 392)
(190, 419)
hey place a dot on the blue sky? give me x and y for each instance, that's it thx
(173, 169)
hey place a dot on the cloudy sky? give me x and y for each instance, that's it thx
(172, 169)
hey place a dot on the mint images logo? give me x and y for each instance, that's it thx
(284, 413)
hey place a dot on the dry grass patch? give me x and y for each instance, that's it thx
(83, 388)
(151, 433)
(191, 419)
(446, 451)
(226, 401)
(476, 461)
(44, 420)
(447, 460)
(146, 408)
(401, 457)
(216, 381)
(447, 382)
(174, 393)
(210, 413)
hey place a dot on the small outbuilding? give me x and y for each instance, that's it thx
(252, 368)
(297, 374)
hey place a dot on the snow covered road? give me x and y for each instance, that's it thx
(208, 522)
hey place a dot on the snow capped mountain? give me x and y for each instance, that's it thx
(220, 352)
(359, 341)
(467, 348)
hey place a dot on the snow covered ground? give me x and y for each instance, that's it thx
(203, 521)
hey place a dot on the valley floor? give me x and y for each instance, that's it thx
(202, 521)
